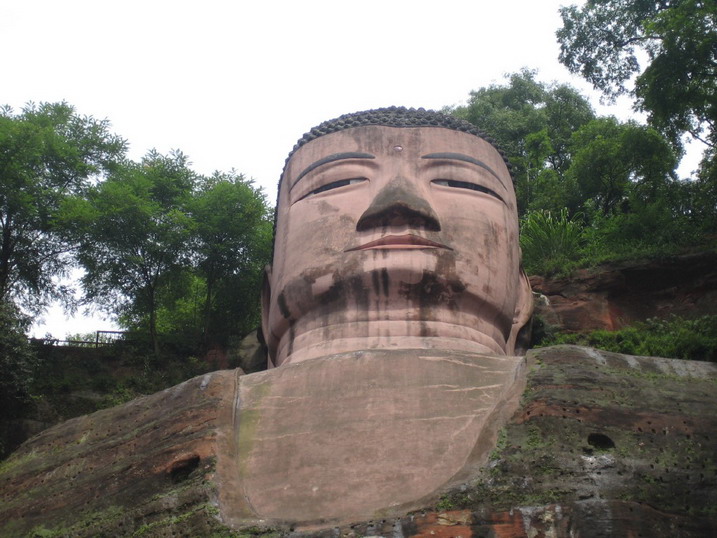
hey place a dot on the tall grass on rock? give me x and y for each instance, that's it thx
(550, 242)
(674, 337)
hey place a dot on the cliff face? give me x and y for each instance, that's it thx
(140, 466)
(613, 296)
(601, 444)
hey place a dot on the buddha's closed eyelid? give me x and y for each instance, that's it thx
(334, 185)
(350, 156)
(456, 184)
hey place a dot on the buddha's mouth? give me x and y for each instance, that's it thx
(399, 242)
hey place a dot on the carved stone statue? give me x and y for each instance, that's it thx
(395, 229)
(393, 307)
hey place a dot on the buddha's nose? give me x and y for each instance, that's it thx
(399, 204)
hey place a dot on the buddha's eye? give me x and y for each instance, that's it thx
(467, 185)
(335, 185)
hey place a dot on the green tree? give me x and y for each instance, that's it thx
(704, 194)
(612, 160)
(231, 232)
(133, 235)
(533, 123)
(18, 365)
(603, 39)
(47, 153)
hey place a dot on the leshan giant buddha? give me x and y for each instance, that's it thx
(393, 314)
(395, 229)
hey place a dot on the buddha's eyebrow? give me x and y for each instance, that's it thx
(464, 158)
(330, 159)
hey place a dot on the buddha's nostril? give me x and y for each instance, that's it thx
(399, 204)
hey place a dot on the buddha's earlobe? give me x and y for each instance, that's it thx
(519, 338)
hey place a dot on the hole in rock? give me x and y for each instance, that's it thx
(600, 441)
(180, 470)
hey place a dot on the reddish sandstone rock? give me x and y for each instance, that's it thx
(139, 465)
(615, 295)
(602, 445)
(313, 444)
(346, 437)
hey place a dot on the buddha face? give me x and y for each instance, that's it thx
(395, 237)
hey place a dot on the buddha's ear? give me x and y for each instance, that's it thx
(519, 338)
(265, 304)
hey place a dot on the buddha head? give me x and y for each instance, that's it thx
(395, 229)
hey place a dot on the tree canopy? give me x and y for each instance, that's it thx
(132, 233)
(47, 153)
(533, 123)
(605, 40)
(611, 158)
(231, 230)
(159, 244)
(608, 186)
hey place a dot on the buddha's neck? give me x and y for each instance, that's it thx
(302, 343)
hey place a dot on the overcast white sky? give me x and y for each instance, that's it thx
(234, 84)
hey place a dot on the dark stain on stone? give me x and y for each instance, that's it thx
(338, 294)
(457, 286)
(424, 330)
(360, 293)
(281, 300)
(292, 335)
(374, 281)
(385, 280)
(431, 291)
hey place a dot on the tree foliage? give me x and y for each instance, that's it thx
(603, 41)
(612, 160)
(612, 185)
(549, 241)
(231, 232)
(47, 152)
(18, 361)
(133, 234)
(533, 123)
(169, 250)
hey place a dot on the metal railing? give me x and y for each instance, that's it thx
(102, 338)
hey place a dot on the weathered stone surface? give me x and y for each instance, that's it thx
(249, 354)
(145, 465)
(327, 440)
(362, 434)
(601, 445)
(398, 235)
(613, 296)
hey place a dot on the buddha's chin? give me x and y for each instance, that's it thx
(411, 318)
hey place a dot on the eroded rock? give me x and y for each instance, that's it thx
(613, 296)
(602, 444)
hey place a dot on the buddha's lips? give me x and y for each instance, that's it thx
(407, 241)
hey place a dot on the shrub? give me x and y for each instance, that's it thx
(550, 243)
(674, 337)
(18, 362)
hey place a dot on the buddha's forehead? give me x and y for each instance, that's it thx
(402, 143)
